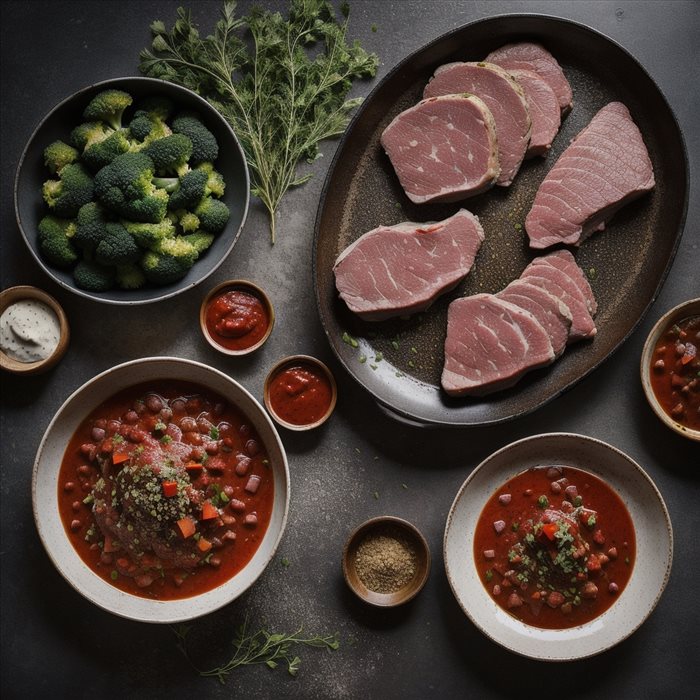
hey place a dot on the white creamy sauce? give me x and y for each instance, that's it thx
(29, 331)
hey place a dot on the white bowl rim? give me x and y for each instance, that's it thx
(632, 628)
(164, 611)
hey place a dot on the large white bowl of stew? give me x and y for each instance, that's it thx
(161, 490)
(558, 546)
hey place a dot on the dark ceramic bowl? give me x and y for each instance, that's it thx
(60, 121)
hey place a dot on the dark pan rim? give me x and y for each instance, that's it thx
(397, 411)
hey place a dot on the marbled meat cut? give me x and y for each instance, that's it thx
(502, 95)
(443, 149)
(544, 111)
(565, 261)
(554, 316)
(490, 344)
(400, 270)
(535, 58)
(606, 166)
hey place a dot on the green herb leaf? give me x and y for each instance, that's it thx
(214, 433)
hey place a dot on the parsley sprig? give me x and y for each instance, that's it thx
(280, 98)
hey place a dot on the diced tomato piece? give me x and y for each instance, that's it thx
(209, 512)
(119, 457)
(204, 545)
(169, 488)
(549, 529)
(186, 526)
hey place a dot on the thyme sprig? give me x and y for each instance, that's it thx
(260, 647)
(280, 98)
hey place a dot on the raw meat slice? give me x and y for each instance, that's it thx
(443, 149)
(565, 261)
(564, 288)
(543, 106)
(534, 57)
(554, 316)
(502, 95)
(490, 344)
(606, 166)
(400, 270)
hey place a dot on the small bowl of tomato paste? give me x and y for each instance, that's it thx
(236, 317)
(670, 369)
(300, 392)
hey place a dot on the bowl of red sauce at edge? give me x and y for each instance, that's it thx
(300, 392)
(676, 315)
(236, 317)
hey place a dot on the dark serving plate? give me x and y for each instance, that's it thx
(59, 122)
(626, 264)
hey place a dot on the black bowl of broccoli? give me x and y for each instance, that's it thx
(131, 190)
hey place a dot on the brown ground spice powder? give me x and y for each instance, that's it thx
(385, 562)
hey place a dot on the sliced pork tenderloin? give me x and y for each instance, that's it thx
(490, 344)
(605, 167)
(400, 270)
(505, 99)
(443, 149)
(534, 57)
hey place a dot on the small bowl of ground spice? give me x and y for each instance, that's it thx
(386, 561)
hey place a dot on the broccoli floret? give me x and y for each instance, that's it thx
(146, 127)
(188, 221)
(204, 145)
(91, 224)
(126, 187)
(130, 276)
(93, 277)
(117, 248)
(200, 240)
(89, 133)
(180, 249)
(66, 195)
(102, 153)
(162, 269)
(170, 154)
(192, 189)
(59, 154)
(213, 214)
(55, 241)
(108, 106)
(158, 107)
(215, 180)
(150, 235)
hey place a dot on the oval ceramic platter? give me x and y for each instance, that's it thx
(652, 566)
(400, 361)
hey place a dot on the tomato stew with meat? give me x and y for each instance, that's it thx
(675, 372)
(554, 547)
(165, 490)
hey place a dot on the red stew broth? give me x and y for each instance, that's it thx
(554, 558)
(210, 452)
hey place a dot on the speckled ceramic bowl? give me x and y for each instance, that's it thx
(653, 557)
(677, 313)
(45, 489)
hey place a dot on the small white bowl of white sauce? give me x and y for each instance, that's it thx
(34, 330)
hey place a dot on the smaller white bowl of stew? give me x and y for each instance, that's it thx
(161, 490)
(558, 546)
(670, 369)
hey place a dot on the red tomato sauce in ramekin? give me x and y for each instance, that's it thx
(300, 393)
(236, 319)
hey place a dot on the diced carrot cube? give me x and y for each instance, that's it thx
(169, 488)
(119, 457)
(194, 467)
(186, 526)
(209, 512)
(204, 545)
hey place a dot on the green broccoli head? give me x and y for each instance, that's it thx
(67, 194)
(162, 269)
(108, 106)
(55, 241)
(180, 249)
(59, 154)
(130, 276)
(117, 248)
(157, 106)
(125, 186)
(192, 189)
(93, 277)
(102, 153)
(170, 154)
(91, 226)
(213, 214)
(215, 180)
(204, 145)
(149, 235)
(89, 133)
(146, 127)
(188, 221)
(199, 240)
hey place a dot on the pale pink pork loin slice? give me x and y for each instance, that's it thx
(443, 149)
(400, 270)
(544, 111)
(534, 57)
(490, 344)
(554, 316)
(504, 98)
(605, 167)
